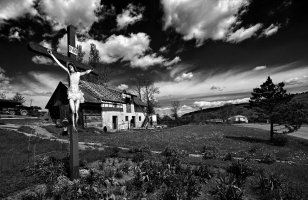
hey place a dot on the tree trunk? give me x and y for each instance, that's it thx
(272, 129)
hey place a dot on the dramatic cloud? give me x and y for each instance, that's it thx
(259, 68)
(209, 104)
(5, 86)
(216, 88)
(271, 30)
(4, 80)
(184, 77)
(167, 110)
(42, 60)
(146, 61)
(243, 34)
(129, 16)
(133, 48)
(37, 86)
(116, 47)
(297, 80)
(202, 19)
(12, 9)
(70, 12)
(123, 87)
(185, 109)
(173, 62)
(14, 34)
(46, 44)
(235, 80)
(163, 49)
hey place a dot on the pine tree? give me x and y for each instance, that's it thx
(94, 57)
(271, 100)
(80, 54)
(103, 71)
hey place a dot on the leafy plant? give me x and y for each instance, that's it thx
(270, 186)
(173, 156)
(241, 171)
(209, 152)
(268, 159)
(226, 189)
(47, 169)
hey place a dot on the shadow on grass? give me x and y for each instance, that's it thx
(249, 139)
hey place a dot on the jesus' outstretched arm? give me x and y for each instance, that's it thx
(57, 61)
(86, 72)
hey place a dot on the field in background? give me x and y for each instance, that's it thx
(192, 138)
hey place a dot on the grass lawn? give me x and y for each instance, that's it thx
(14, 150)
(192, 138)
(16, 153)
(25, 121)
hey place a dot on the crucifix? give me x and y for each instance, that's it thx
(75, 96)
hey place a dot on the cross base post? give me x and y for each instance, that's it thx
(74, 156)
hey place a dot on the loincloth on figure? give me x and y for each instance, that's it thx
(75, 95)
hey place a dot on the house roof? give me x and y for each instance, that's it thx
(239, 116)
(96, 93)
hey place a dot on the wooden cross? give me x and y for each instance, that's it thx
(71, 52)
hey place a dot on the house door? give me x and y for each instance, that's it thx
(133, 121)
(115, 122)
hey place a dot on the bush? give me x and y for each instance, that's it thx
(293, 192)
(229, 156)
(173, 156)
(253, 149)
(241, 171)
(114, 152)
(118, 174)
(47, 169)
(139, 157)
(29, 195)
(268, 159)
(226, 189)
(209, 152)
(280, 140)
(204, 172)
(270, 186)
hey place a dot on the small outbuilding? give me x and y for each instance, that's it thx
(238, 119)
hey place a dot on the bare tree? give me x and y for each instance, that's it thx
(175, 107)
(226, 111)
(146, 91)
(19, 98)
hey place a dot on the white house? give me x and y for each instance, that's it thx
(104, 106)
(238, 119)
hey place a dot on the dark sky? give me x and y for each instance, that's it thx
(202, 52)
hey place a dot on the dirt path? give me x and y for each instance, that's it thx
(44, 134)
(10, 126)
(301, 133)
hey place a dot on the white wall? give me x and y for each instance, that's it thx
(121, 122)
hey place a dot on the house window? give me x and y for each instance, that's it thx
(126, 118)
(139, 118)
(128, 108)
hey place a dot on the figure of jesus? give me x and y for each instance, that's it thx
(75, 96)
